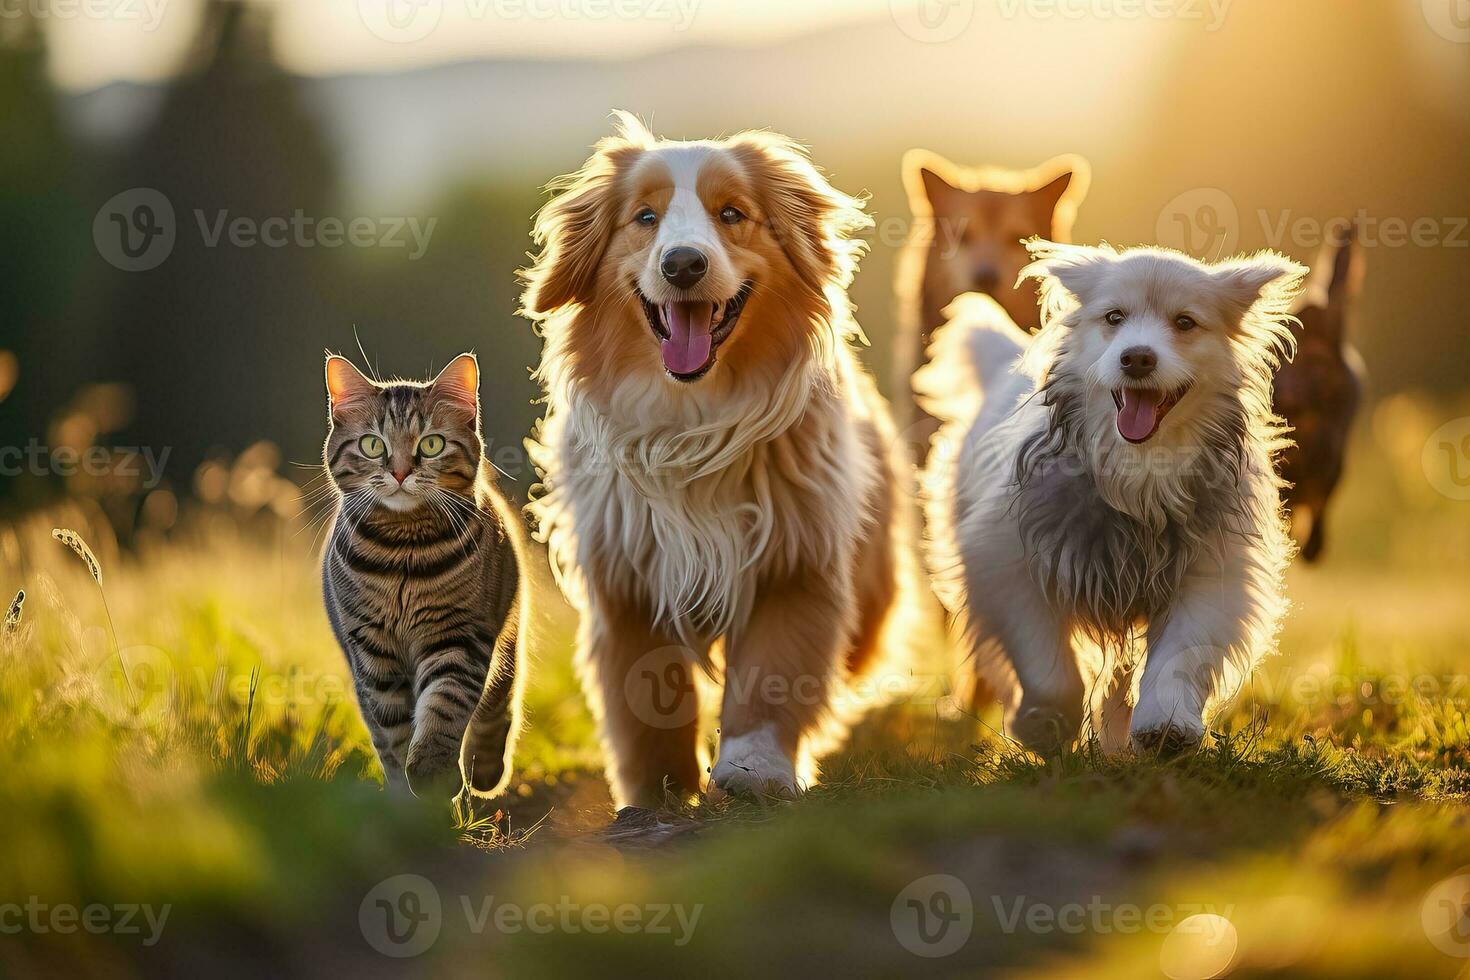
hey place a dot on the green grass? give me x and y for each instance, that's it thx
(232, 782)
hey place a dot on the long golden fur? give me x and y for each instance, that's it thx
(737, 512)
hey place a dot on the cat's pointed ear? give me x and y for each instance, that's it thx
(346, 385)
(460, 381)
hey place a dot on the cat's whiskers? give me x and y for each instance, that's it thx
(461, 525)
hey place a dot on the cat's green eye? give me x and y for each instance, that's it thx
(430, 446)
(372, 447)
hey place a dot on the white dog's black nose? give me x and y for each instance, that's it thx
(1139, 362)
(683, 266)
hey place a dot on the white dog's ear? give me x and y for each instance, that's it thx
(1074, 269)
(1267, 283)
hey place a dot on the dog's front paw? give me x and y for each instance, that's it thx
(1166, 742)
(754, 763)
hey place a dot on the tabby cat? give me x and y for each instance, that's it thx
(421, 576)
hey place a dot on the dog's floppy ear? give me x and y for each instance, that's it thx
(811, 221)
(1067, 273)
(1257, 294)
(928, 179)
(1266, 283)
(574, 227)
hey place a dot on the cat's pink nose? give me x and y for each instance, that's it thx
(401, 475)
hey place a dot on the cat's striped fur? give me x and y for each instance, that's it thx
(421, 577)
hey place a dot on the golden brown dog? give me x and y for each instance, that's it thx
(721, 479)
(969, 227)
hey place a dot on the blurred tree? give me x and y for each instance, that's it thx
(210, 338)
(43, 238)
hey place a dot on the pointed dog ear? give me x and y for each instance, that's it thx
(1058, 188)
(574, 228)
(1074, 269)
(1046, 197)
(929, 180)
(1068, 275)
(1267, 282)
(811, 221)
(1344, 257)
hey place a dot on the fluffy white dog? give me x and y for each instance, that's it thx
(1102, 495)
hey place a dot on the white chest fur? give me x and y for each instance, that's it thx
(689, 519)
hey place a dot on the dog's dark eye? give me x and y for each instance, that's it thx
(646, 217)
(1185, 322)
(731, 216)
(1115, 317)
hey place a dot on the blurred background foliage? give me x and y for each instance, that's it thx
(1293, 111)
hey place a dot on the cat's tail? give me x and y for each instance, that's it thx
(490, 737)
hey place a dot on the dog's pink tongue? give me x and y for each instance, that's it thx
(688, 348)
(1139, 415)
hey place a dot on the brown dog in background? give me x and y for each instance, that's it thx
(1318, 391)
(969, 226)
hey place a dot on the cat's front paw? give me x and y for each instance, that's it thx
(486, 774)
(434, 776)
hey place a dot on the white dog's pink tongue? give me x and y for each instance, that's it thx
(1139, 415)
(688, 348)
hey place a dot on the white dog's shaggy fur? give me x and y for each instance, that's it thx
(728, 497)
(1103, 494)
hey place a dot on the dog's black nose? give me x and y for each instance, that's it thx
(683, 266)
(985, 278)
(1139, 362)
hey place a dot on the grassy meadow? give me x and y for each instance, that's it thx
(223, 788)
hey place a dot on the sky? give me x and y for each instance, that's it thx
(93, 42)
